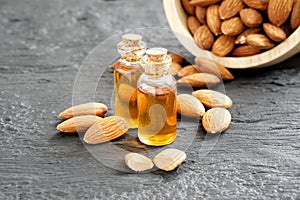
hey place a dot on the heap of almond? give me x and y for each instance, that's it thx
(241, 27)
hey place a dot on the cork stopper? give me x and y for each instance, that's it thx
(132, 39)
(156, 54)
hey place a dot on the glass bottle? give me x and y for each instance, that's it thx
(126, 73)
(157, 92)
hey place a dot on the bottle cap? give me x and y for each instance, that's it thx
(132, 39)
(156, 54)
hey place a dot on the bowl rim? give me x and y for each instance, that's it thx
(286, 49)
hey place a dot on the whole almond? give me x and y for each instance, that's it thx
(200, 13)
(259, 41)
(199, 80)
(91, 108)
(78, 124)
(232, 27)
(245, 50)
(187, 70)
(251, 18)
(295, 16)
(203, 37)
(211, 98)
(241, 39)
(203, 2)
(229, 8)
(175, 68)
(274, 32)
(257, 4)
(187, 7)
(223, 45)
(189, 106)
(176, 57)
(192, 24)
(279, 11)
(213, 19)
(216, 120)
(105, 130)
(207, 66)
(138, 162)
(169, 159)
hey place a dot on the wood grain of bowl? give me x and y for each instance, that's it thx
(177, 19)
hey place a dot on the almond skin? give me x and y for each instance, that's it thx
(207, 66)
(91, 108)
(169, 159)
(275, 33)
(251, 17)
(232, 27)
(212, 99)
(189, 106)
(245, 50)
(138, 162)
(203, 37)
(213, 19)
(187, 7)
(192, 24)
(229, 8)
(223, 45)
(105, 130)
(203, 2)
(295, 16)
(216, 120)
(241, 39)
(178, 58)
(279, 11)
(199, 80)
(200, 13)
(175, 68)
(257, 4)
(78, 124)
(259, 41)
(187, 70)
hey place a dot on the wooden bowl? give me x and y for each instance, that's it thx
(177, 19)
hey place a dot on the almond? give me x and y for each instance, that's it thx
(232, 27)
(192, 24)
(245, 50)
(169, 159)
(211, 98)
(223, 45)
(187, 70)
(257, 4)
(203, 2)
(200, 13)
(176, 57)
(259, 41)
(105, 130)
(241, 39)
(229, 8)
(199, 80)
(275, 33)
(216, 120)
(91, 108)
(138, 162)
(189, 106)
(78, 123)
(251, 17)
(207, 66)
(279, 11)
(187, 7)
(295, 16)
(175, 68)
(213, 19)
(203, 37)
(287, 29)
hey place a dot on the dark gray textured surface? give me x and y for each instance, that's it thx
(42, 45)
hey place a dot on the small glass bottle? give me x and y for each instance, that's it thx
(126, 73)
(157, 92)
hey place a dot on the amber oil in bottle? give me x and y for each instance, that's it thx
(157, 92)
(126, 73)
